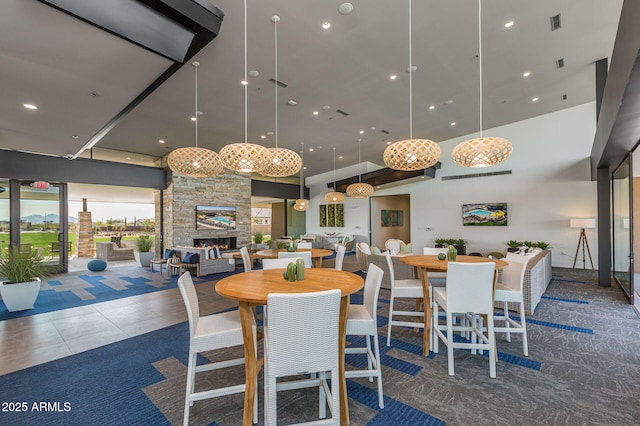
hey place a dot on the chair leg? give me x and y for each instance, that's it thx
(369, 366)
(506, 321)
(492, 347)
(434, 323)
(376, 351)
(322, 397)
(523, 324)
(191, 381)
(390, 321)
(450, 342)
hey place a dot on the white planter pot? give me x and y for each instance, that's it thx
(20, 296)
(143, 259)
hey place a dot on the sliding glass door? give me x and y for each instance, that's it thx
(622, 227)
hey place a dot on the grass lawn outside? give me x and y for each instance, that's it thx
(43, 239)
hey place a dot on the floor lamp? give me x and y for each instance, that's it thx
(583, 224)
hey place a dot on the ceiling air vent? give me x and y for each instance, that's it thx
(384, 131)
(476, 175)
(281, 84)
(555, 22)
(339, 111)
(560, 63)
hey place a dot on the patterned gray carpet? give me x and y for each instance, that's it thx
(583, 369)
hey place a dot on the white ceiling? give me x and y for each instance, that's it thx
(57, 62)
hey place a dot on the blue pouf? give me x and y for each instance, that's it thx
(97, 265)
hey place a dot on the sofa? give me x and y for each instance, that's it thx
(111, 251)
(207, 266)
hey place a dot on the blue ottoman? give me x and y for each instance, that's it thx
(97, 265)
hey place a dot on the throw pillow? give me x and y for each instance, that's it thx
(191, 258)
(375, 250)
(216, 252)
(406, 248)
(168, 253)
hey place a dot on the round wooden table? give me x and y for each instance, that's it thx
(430, 263)
(252, 288)
(316, 254)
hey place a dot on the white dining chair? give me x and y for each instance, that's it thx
(246, 259)
(278, 263)
(436, 279)
(340, 257)
(305, 245)
(469, 291)
(305, 255)
(208, 333)
(510, 289)
(301, 338)
(408, 288)
(362, 320)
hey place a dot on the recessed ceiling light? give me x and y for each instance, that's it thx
(244, 82)
(534, 100)
(432, 107)
(193, 119)
(160, 140)
(310, 149)
(75, 136)
(345, 8)
(326, 107)
(393, 77)
(29, 106)
(361, 131)
(449, 102)
(326, 25)
(128, 158)
(453, 123)
(526, 74)
(508, 24)
(292, 102)
(340, 157)
(304, 168)
(388, 142)
(315, 113)
(263, 137)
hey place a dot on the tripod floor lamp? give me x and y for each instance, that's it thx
(583, 224)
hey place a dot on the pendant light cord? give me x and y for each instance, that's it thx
(410, 80)
(195, 66)
(480, 57)
(302, 171)
(359, 175)
(334, 169)
(246, 82)
(275, 21)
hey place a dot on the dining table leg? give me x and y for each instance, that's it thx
(342, 330)
(251, 362)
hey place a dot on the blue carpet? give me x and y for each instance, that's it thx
(129, 280)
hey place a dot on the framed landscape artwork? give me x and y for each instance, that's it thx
(391, 218)
(488, 214)
(332, 215)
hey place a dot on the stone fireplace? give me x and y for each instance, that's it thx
(224, 243)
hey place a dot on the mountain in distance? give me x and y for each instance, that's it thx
(51, 218)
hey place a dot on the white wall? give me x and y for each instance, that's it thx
(550, 183)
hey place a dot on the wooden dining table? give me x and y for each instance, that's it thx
(316, 254)
(430, 263)
(251, 289)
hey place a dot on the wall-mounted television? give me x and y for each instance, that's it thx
(215, 217)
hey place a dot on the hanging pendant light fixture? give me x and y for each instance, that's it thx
(245, 157)
(411, 154)
(359, 190)
(195, 162)
(482, 151)
(302, 204)
(283, 162)
(334, 196)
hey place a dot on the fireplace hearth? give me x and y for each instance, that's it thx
(225, 243)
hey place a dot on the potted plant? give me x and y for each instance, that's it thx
(541, 244)
(20, 272)
(460, 245)
(144, 254)
(513, 245)
(441, 242)
(258, 239)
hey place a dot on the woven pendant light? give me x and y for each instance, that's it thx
(360, 189)
(193, 161)
(411, 154)
(301, 203)
(481, 151)
(245, 157)
(334, 196)
(283, 162)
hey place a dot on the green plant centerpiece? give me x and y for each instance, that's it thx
(452, 253)
(294, 271)
(513, 245)
(144, 254)
(258, 237)
(20, 272)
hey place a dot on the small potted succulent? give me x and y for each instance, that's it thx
(20, 274)
(514, 245)
(144, 251)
